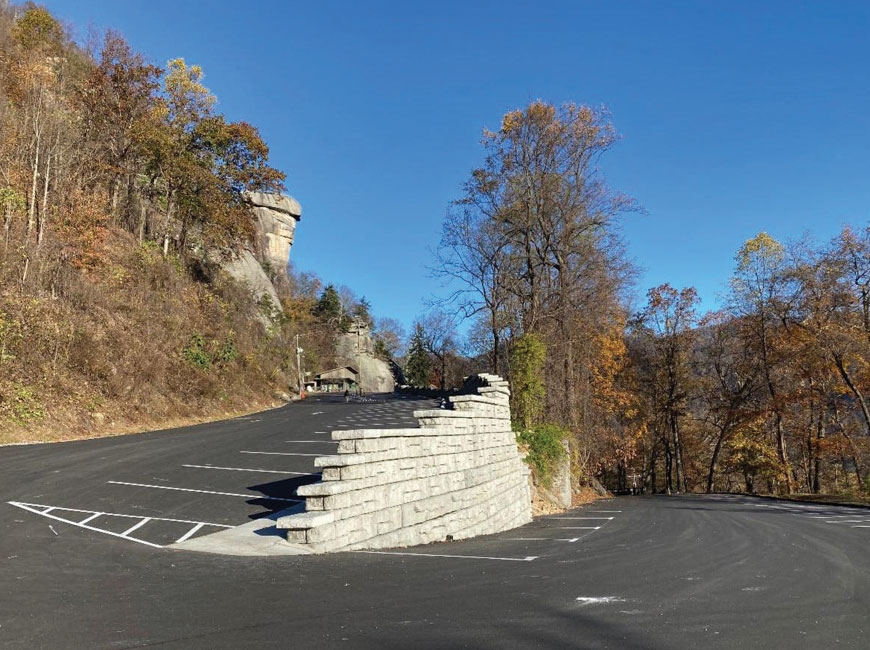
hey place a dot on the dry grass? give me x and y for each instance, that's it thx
(132, 343)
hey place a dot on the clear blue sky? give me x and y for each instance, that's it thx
(736, 117)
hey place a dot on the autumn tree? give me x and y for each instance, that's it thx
(758, 293)
(669, 320)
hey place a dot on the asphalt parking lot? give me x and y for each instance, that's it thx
(164, 487)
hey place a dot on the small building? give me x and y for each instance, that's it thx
(337, 379)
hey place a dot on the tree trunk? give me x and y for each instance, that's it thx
(43, 213)
(841, 367)
(31, 215)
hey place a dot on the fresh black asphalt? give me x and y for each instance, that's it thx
(634, 573)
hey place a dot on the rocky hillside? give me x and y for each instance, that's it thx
(143, 266)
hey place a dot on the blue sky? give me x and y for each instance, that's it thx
(736, 117)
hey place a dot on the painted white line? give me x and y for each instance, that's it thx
(578, 527)
(328, 442)
(321, 432)
(849, 521)
(860, 526)
(246, 469)
(318, 413)
(31, 507)
(541, 539)
(91, 518)
(189, 533)
(528, 558)
(277, 453)
(583, 518)
(223, 494)
(136, 527)
(85, 526)
(608, 511)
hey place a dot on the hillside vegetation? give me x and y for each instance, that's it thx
(121, 191)
(768, 395)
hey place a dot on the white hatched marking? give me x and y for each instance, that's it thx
(135, 527)
(91, 518)
(189, 534)
(30, 507)
(38, 509)
(224, 494)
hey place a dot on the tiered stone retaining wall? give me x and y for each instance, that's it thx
(457, 476)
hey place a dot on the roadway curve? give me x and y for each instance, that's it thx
(635, 573)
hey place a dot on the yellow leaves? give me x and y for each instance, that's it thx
(761, 249)
(512, 122)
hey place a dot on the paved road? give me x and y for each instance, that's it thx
(630, 573)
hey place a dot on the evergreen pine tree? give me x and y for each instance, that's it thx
(419, 364)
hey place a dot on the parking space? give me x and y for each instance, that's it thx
(544, 537)
(167, 487)
(842, 516)
(164, 487)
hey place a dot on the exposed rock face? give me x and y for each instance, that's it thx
(277, 216)
(276, 224)
(356, 348)
(245, 268)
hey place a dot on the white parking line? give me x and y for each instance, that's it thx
(582, 518)
(136, 527)
(277, 453)
(578, 527)
(247, 469)
(542, 539)
(189, 534)
(528, 558)
(224, 494)
(45, 511)
(328, 442)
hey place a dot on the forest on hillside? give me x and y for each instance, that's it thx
(121, 194)
(768, 395)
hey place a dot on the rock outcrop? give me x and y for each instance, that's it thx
(357, 349)
(277, 216)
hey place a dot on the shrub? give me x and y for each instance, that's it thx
(196, 353)
(545, 449)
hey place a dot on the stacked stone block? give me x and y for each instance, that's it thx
(457, 476)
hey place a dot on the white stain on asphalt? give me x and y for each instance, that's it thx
(599, 600)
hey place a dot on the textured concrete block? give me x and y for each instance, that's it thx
(459, 474)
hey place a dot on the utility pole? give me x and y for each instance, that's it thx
(299, 368)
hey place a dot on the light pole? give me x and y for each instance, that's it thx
(301, 378)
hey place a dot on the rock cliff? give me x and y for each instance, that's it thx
(276, 217)
(357, 349)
